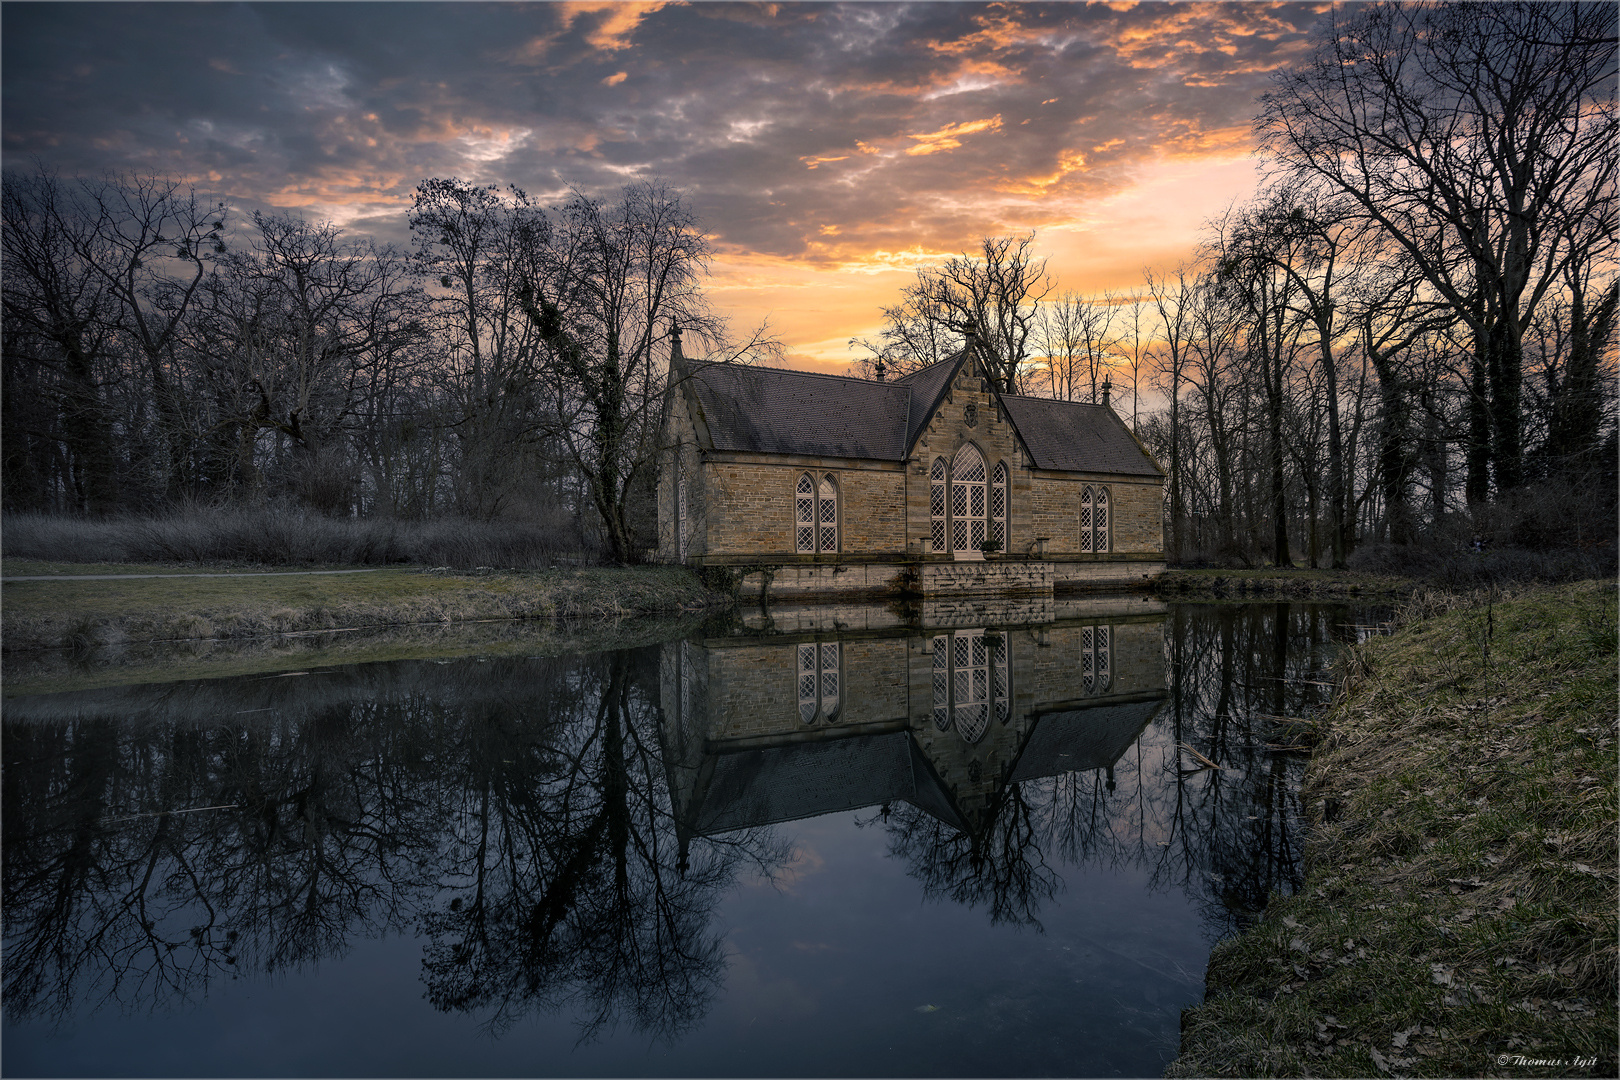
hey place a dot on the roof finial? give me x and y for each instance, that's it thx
(881, 369)
(675, 340)
(1107, 386)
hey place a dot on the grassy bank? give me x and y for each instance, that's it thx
(1458, 916)
(91, 613)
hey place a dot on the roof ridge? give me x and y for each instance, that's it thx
(1056, 401)
(796, 371)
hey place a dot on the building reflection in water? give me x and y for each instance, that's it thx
(945, 716)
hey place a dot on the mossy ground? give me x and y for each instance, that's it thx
(88, 614)
(1459, 911)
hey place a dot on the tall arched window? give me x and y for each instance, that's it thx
(998, 506)
(680, 509)
(970, 681)
(815, 514)
(1094, 519)
(936, 505)
(818, 681)
(967, 500)
(1096, 661)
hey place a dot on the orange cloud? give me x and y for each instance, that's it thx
(949, 136)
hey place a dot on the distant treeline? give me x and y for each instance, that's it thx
(507, 366)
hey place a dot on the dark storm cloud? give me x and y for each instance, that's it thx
(820, 132)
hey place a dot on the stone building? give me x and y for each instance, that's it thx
(930, 484)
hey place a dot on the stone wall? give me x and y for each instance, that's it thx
(752, 504)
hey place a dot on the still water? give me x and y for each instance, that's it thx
(973, 839)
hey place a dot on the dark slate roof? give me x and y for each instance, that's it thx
(928, 386)
(1077, 740)
(800, 780)
(1071, 437)
(775, 411)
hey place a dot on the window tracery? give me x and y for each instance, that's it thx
(815, 514)
(819, 681)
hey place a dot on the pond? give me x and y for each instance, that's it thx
(962, 839)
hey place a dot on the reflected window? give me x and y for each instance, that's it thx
(815, 514)
(971, 682)
(820, 682)
(1096, 664)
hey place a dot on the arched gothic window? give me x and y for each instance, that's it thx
(970, 682)
(819, 681)
(1096, 663)
(815, 514)
(1094, 519)
(967, 499)
(998, 506)
(680, 509)
(936, 505)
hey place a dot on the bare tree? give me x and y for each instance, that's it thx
(1480, 139)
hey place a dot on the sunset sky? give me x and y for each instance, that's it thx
(830, 149)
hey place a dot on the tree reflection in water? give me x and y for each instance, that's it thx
(556, 880)
(1228, 837)
(518, 816)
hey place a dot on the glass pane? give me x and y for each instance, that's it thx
(803, 508)
(829, 510)
(807, 538)
(938, 535)
(938, 471)
(976, 501)
(959, 499)
(829, 538)
(977, 538)
(959, 540)
(936, 500)
(806, 487)
(807, 658)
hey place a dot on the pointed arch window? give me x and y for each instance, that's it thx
(967, 500)
(680, 508)
(971, 682)
(819, 682)
(998, 506)
(936, 505)
(1096, 660)
(1094, 517)
(815, 514)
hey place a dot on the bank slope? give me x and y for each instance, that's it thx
(1458, 916)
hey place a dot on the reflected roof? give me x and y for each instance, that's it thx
(807, 779)
(1083, 739)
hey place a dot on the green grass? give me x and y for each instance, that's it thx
(86, 614)
(1460, 903)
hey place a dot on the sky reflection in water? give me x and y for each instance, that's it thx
(597, 865)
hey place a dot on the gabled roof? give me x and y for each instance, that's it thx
(1072, 437)
(928, 386)
(778, 411)
(800, 780)
(1078, 740)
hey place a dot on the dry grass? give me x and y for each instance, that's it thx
(1459, 911)
(87, 614)
(290, 537)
